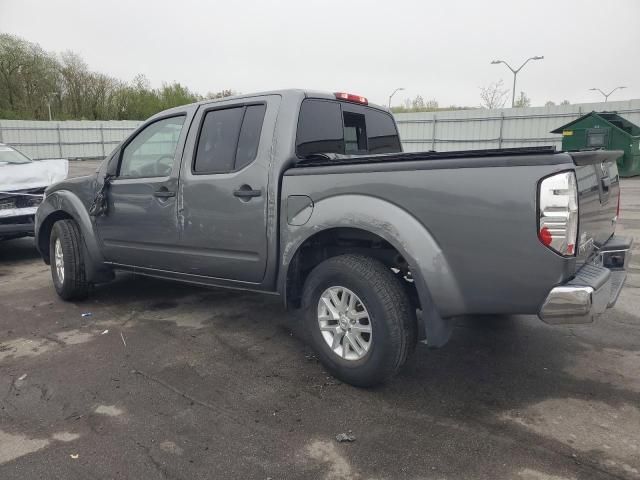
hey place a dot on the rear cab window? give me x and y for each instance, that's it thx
(329, 126)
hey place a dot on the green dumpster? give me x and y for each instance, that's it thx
(606, 130)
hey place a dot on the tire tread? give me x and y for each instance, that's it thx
(75, 286)
(397, 307)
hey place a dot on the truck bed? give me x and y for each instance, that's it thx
(483, 220)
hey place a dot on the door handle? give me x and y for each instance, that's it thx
(164, 194)
(246, 192)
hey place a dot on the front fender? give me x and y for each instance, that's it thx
(64, 204)
(435, 281)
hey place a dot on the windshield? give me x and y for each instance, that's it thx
(9, 155)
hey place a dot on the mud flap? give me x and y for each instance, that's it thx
(434, 330)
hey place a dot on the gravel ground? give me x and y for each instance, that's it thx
(171, 381)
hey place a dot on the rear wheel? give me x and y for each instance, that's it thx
(67, 261)
(360, 319)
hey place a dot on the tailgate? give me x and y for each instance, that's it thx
(598, 196)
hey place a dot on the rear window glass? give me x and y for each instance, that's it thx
(229, 139)
(326, 126)
(355, 133)
(382, 133)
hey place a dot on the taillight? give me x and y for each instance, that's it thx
(618, 207)
(558, 213)
(350, 97)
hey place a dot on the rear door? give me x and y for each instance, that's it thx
(224, 189)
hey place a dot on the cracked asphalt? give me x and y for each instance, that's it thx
(164, 380)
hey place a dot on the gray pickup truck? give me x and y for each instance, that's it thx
(308, 195)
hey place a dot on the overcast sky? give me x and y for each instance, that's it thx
(438, 49)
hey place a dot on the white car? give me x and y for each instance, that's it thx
(22, 185)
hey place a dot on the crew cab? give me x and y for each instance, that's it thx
(309, 196)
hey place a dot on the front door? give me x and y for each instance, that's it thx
(224, 189)
(141, 226)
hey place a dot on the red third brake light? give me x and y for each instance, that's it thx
(350, 97)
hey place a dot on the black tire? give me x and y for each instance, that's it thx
(391, 315)
(74, 285)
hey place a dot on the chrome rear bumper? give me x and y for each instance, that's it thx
(595, 287)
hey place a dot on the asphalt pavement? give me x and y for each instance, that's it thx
(151, 379)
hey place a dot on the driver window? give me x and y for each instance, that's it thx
(152, 151)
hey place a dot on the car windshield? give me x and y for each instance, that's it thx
(10, 155)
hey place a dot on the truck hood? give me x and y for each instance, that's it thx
(39, 173)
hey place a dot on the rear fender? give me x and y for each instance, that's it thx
(436, 285)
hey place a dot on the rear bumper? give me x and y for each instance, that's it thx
(595, 287)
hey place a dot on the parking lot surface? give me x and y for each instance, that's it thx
(151, 379)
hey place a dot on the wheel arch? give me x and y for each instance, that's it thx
(61, 205)
(435, 284)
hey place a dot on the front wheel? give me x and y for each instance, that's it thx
(361, 321)
(67, 261)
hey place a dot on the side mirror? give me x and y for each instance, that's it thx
(112, 166)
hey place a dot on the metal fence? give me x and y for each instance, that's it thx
(500, 128)
(440, 131)
(70, 139)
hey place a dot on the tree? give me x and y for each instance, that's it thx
(417, 103)
(220, 94)
(27, 75)
(522, 101)
(75, 76)
(565, 102)
(12, 58)
(174, 94)
(493, 95)
(550, 103)
(31, 79)
(432, 104)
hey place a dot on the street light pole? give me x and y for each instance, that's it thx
(515, 74)
(606, 95)
(394, 92)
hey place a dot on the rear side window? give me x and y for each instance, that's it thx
(228, 139)
(249, 135)
(326, 126)
(382, 133)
